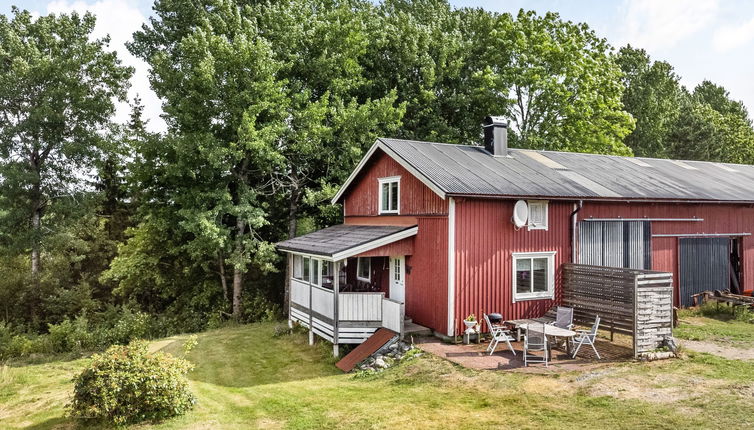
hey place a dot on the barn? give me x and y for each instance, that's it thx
(429, 233)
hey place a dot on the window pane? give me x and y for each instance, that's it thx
(306, 269)
(539, 275)
(394, 196)
(364, 267)
(385, 196)
(297, 269)
(523, 275)
(315, 272)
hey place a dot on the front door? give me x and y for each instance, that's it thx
(398, 279)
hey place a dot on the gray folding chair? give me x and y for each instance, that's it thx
(587, 337)
(535, 340)
(564, 318)
(498, 334)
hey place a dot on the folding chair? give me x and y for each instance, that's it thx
(498, 334)
(535, 340)
(587, 337)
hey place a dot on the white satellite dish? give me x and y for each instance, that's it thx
(520, 213)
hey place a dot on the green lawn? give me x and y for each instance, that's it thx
(245, 378)
(721, 327)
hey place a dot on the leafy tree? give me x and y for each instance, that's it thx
(653, 97)
(56, 93)
(712, 127)
(559, 83)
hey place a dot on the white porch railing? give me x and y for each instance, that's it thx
(360, 306)
(392, 315)
(358, 314)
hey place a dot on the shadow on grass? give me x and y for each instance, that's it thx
(57, 423)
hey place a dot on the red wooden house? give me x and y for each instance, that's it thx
(428, 233)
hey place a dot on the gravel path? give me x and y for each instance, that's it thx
(729, 352)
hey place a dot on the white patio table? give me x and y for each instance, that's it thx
(550, 330)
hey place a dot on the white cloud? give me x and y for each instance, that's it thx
(662, 24)
(731, 37)
(120, 20)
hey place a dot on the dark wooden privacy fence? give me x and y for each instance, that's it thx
(635, 302)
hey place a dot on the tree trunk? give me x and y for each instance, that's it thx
(36, 226)
(223, 279)
(237, 271)
(292, 226)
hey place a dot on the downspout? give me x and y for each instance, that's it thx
(574, 218)
(451, 266)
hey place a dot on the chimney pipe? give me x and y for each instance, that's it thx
(496, 136)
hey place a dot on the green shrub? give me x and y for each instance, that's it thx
(70, 336)
(128, 384)
(124, 326)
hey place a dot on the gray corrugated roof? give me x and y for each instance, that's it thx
(338, 238)
(470, 170)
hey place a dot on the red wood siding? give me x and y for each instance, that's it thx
(485, 242)
(415, 197)
(718, 218)
(402, 247)
(427, 275)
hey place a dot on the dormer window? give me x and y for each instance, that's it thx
(390, 195)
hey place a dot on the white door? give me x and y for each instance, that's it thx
(398, 279)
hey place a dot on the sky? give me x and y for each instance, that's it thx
(702, 39)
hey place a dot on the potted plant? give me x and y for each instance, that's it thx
(470, 321)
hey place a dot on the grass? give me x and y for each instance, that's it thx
(719, 326)
(245, 378)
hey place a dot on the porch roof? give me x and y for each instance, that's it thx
(346, 240)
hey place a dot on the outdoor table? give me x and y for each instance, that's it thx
(550, 330)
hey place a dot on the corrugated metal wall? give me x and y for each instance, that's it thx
(615, 244)
(416, 198)
(705, 265)
(485, 242)
(718, 218)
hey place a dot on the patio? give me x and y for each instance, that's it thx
(474, 356)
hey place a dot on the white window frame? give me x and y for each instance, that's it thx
(315, 273)
(389, 180)
(298, 267)
(545, 209)
(358, 269)
(550, 293)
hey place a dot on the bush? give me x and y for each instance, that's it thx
(70, 336)
(128, 384)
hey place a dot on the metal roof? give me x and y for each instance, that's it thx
(346, 240)
(470, 170)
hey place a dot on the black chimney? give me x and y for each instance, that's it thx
(496, 136)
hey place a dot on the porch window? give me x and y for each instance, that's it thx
(315, 271)
(298, 269)
(537, 214)
(533, 276)
(364, 269)
(307, 269)
(390, 195)
(327, 274)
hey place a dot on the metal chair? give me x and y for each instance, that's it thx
(498, 334)
(535, 340)
(564, 318)
(587, 337)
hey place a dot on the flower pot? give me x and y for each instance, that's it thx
(469, 324)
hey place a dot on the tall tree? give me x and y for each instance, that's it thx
(261, 101)
(559, 84)
(57, 87)
(653, 97)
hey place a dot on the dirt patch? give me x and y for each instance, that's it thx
(661, 389)
(729, 352)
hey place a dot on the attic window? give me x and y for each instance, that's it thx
(537, 214)
(390, 195)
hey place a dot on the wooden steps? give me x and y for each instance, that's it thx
(378, 339)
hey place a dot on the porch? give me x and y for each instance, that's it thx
(348, 281)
